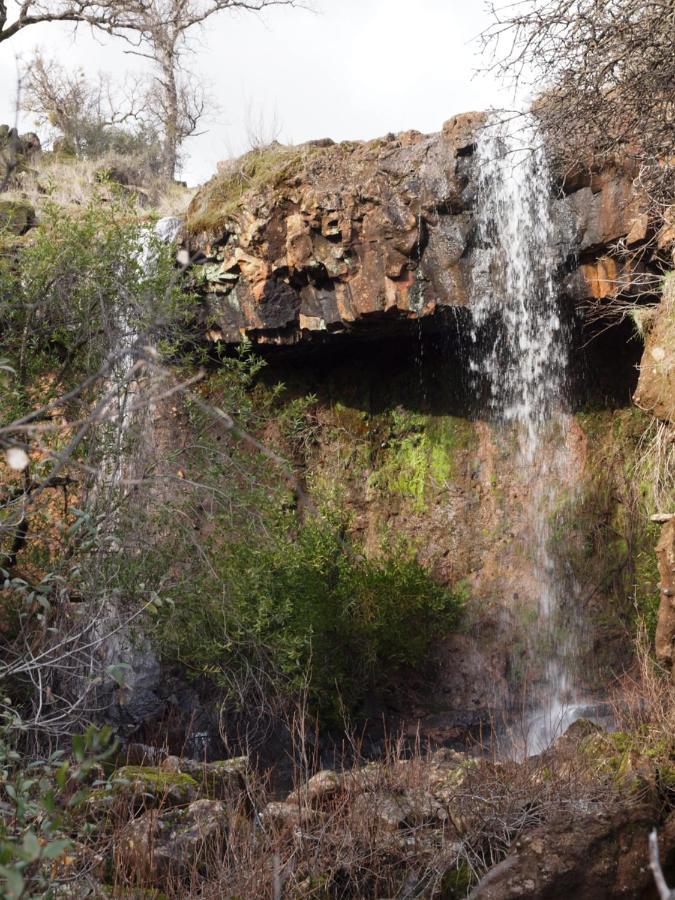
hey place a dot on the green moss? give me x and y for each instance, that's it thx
(456, 882)
(619, 753)
(604, 522)
(155, 778)
(220, 198)
(421, 455)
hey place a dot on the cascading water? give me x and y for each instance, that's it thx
(124, 387)
(520, 357)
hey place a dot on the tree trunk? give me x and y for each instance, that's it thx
(170, 112)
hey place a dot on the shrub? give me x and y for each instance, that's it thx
(39, 797)
(82, 286)
(312, 608)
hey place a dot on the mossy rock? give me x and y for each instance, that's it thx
(218, 780)
(16, 216)
(175, 843)
(632, 759)
(134, 789)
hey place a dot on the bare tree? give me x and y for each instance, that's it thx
(159, 31)
(604, 73)
(34, 12)
(82, 110)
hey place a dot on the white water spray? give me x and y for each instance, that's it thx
(125, 388)
(520, 351)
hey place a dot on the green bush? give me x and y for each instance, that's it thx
(39, 797)
(315, 610)
(82, 286)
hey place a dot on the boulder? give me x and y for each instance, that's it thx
(665, 626)
(656, 386)
(386, 810)
(135, 789)
(16, 151)
(177, 842)
(219, 780)
(583, 855)
(286, 815)
(131, 680)
(16, 216)
(319, 789)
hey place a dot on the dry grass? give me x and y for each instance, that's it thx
(73, 183)
(415, 824)
(644, 700)
(656, 464)
(264, 167)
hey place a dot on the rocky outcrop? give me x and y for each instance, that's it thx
(665, 629)
(585, 856)
(656, 387)
(16, 151)
(16, 217)
(571, 823)
(169, 820)
(298, 244)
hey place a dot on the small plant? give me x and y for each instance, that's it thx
(38, 798)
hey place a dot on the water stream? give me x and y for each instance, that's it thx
(521, 353)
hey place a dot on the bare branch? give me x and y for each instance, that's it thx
(655, 865)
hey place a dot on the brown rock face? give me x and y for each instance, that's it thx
(656, 388)
(665, 629)
(587, 856)
(299, 243)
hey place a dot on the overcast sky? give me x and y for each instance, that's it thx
(352, 69)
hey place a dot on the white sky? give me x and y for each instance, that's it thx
(352, 69)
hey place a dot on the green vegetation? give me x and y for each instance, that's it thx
(316, 611)
(604, 521)
(82, 285)
(40, 801)
(621, 754)
(420, 454)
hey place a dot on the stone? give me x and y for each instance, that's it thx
(16, 152)
(150, 787)
(665, 625)
(601, 278)
(388, 811)
(320, 788)
(582, 855)
(460, 131)
(130, 681)
(326, 240)
(656, 385)
(287, 815)
(177, 842)
(16, 216)
(219, 780)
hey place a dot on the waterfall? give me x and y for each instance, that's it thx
(520, 359)
(125, 388)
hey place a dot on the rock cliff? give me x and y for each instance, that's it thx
(371, 249)
(302, 244)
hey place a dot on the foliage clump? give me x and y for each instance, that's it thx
(83, 284)
(315, 610)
